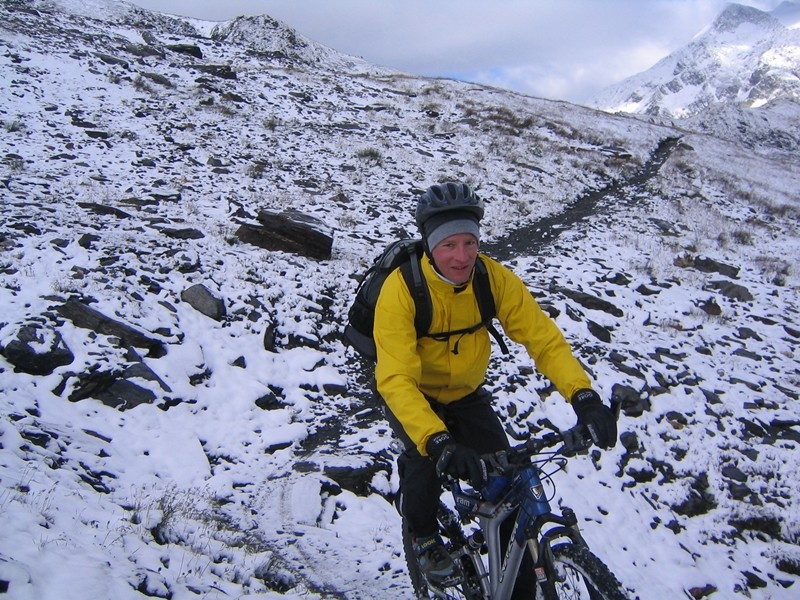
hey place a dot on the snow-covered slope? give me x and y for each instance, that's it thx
(132, 147)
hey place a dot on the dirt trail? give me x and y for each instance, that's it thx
(531, 239)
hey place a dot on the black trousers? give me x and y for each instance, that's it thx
(473, 422)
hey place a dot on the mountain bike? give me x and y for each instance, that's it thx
(564, 565)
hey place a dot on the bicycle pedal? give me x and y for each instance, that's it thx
(446, 583)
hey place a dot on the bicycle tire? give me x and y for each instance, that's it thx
(414, 573)
(579, 574)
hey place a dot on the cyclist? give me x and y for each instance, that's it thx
(433, 386)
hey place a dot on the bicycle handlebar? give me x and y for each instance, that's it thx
(574, 440)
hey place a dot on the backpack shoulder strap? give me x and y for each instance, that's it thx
(412, 274)
(486, 305)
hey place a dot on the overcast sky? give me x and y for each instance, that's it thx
(558, 49)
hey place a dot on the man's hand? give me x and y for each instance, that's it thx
(456, 459)
(596, 416)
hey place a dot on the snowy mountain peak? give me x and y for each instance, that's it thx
(746, 57)
(735, 15)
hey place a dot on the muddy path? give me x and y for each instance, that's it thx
(531, 239)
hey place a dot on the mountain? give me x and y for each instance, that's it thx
(179, 415)
(746, 57)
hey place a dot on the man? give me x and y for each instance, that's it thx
(432, 384)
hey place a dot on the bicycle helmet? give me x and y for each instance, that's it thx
(448, 209)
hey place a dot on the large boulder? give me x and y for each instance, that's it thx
(289, 231)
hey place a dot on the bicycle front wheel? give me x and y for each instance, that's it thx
(577, 574)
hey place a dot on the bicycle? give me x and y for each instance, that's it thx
(564, 565)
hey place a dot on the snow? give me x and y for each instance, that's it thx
(203, 493)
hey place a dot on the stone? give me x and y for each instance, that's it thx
(188, 49)
(201, 299)
(86, 317)
(709, 265)
(187, 233)
(103, 209)
(731, 290)
(289, 231)
(592, 302)
(37, 350)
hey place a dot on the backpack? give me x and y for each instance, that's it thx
(406, 254)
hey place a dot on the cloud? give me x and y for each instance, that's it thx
(565, 50)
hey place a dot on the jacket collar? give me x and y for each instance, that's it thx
(436, 282)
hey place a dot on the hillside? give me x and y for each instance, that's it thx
(150, 449)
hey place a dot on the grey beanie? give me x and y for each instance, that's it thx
(442, 226)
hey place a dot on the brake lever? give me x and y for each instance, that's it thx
(575, 441)
(497, 462)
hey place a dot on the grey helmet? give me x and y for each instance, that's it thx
(447, 197)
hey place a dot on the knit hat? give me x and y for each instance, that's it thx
(441, 226)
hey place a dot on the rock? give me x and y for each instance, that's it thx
(629, 441)
(701, 592)
(201, 299)
(753, 580)
(646, 291)
(354, 479)
(745, 333)
(270, 338)
(184, 234)
(117, 388)
(88, 318)
(734, 473)
(699, 500)
(112, 389)
(270, 401)
(633, 405)
(619, 362)
(221, 71)
(747, 354)
(87, 240)
(731, 290)
(102, 209)
(591, 302)
(598, 331)
(710, 307)
(289, 231)
(711, 397)
(189, 49)
(617, 279)
(37, 350)
(709, 265)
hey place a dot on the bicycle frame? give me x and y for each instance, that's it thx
(525, 496)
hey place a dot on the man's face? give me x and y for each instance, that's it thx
(455, 257)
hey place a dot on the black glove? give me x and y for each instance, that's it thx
(596, 416)
(456, 460)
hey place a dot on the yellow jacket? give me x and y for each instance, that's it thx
(408, 369)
